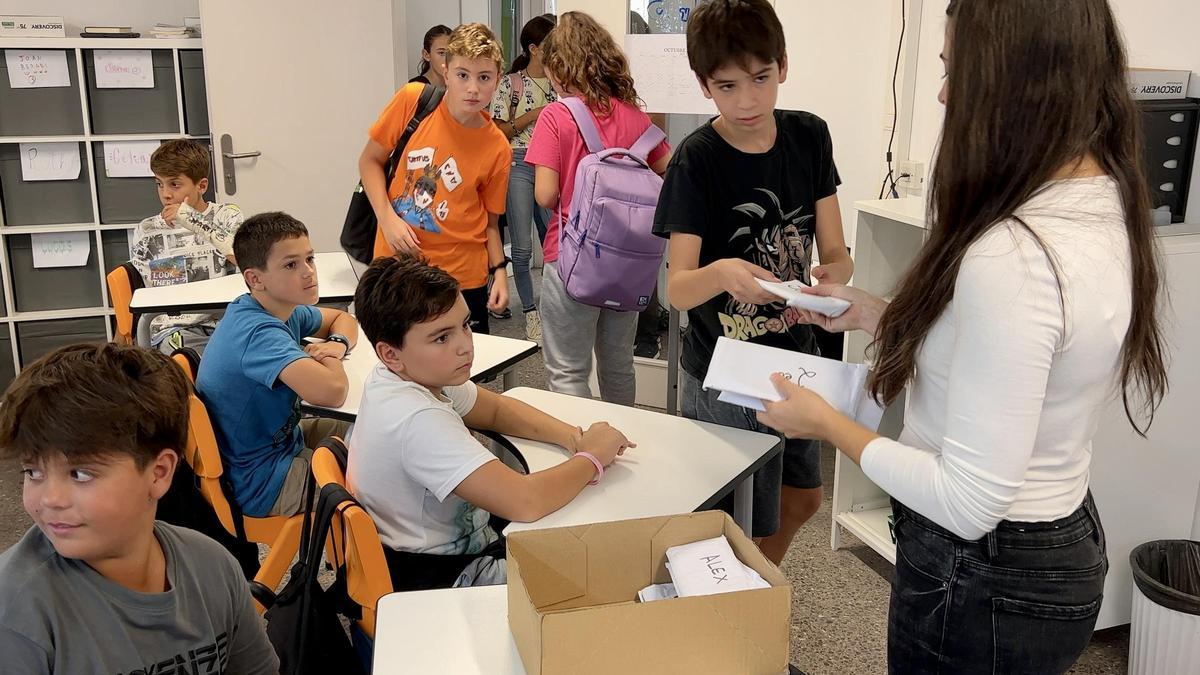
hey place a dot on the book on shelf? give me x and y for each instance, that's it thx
(86, 34)
(108, 29)
(163, 30)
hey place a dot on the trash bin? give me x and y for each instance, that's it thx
(1165, 635)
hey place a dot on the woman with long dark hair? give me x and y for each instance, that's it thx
(1034, 301)
(516, 106)
(433, 56)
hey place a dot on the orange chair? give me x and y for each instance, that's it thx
(353, 538)
(280, 533)
(122, 282)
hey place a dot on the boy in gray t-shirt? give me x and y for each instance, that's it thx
(97, 585)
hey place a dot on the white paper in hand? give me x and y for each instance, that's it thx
(742, 371)
(790, 292)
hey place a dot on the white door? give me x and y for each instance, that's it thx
(299, 82)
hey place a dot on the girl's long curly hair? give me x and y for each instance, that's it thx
(583, 60)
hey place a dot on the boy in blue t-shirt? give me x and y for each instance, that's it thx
(744, 198)
(254, 371)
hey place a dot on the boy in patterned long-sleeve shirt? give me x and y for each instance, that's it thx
(190, 240)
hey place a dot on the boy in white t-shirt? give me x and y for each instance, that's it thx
(427, 482)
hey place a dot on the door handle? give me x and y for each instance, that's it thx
(227, 166)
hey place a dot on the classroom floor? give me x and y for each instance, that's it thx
(839, 598)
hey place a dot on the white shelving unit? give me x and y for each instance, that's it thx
(1145, 489)
(175, 108)
(887, 236)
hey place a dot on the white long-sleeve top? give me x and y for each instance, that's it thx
(1013, 377)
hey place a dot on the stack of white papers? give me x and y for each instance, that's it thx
(742, 371)
(709, 567)
(162, 30)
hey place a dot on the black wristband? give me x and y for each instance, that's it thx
(340, 339)
(492, 270)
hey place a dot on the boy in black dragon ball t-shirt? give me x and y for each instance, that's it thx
(744, 197)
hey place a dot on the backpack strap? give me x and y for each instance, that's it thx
(585, 122)
(647, 142)
(516, 82)
(430, 97)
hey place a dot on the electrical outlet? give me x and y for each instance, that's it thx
(911, 178)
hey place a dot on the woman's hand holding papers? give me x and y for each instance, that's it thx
(865, 309)
(804, 414)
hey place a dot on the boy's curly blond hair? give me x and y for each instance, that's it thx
(473, 41)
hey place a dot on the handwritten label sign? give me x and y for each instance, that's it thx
(660, 69)
(37, 68)
(128, 159)
(61, 249)
(49, 161)
(124, 69)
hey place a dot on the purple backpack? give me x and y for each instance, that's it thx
(607, 255)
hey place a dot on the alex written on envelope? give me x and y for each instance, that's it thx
(742, 371)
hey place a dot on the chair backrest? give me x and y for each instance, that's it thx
(202, 452)
(355, 541)
(188, 361)
(122, 282)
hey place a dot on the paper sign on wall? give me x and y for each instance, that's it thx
(128, 159)
(124, 69)
(37, 68)
(61, 249)
(659, 65)
(49, 161)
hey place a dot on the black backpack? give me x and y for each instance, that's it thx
(184, 505)
(358, 232)
(303, 623)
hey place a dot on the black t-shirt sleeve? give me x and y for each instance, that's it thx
(826, 178)
(681, 205)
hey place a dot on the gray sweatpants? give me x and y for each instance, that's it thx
(570, 333)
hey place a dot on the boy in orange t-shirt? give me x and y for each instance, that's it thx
(452, 180)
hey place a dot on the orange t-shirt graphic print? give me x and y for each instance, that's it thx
(449, 179)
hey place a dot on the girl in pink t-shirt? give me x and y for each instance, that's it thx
(583, 60)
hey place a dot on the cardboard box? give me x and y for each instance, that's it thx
(572, 605)
(31, 26)
(1149, 84)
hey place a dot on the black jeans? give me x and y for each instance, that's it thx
(1023, 599)
(477, 300)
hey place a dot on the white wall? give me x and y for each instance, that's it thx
(419, 16)
(840, 56)
(141, 14)
(1158, 34)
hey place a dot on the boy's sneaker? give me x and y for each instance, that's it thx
(506, 314)
(533, 326)
(647, 349)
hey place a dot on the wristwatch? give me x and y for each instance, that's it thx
(502, 265)
(340, 339)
